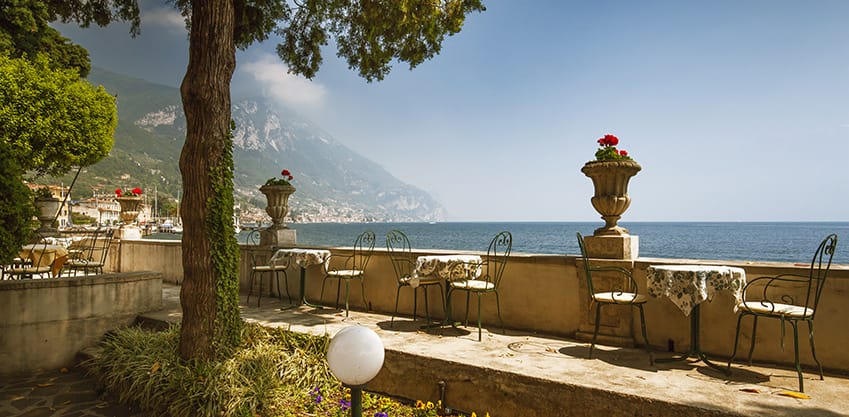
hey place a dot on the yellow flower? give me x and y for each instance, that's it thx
(473, 414)
(430, 405)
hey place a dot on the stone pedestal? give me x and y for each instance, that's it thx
(277, 237)
(613, 247)
(129, 232)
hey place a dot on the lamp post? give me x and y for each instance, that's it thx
(355, 356)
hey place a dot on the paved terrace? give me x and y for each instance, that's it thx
(521, 374)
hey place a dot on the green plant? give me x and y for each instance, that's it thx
(42, 193)
(608, 151)
(287, 176)
(274, 373)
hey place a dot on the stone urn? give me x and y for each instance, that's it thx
(278, 203)
(48, 208)
(610, 179)
(130, 207)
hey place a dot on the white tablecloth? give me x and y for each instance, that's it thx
(448, 267)
(304, 257)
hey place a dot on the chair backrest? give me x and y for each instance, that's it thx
(496, 257)
(587, 270)
(100, 246)
(363, 247)
(400, 253)
(254, 237)
(820, 264)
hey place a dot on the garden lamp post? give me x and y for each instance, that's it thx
(355, 356)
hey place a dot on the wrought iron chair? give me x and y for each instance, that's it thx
(626, 294)
(490, 279)
(35, 264)
(260, 266)
(354, 268)
(790, 298)
(400, 253)
(90, 256)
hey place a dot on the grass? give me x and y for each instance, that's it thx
(276, 373)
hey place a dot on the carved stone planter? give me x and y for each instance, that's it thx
(48, 208)
(130, 207)
(610, 179)
(278, 207)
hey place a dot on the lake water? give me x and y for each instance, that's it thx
(747, 241)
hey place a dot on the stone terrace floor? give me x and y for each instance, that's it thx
(555, 364)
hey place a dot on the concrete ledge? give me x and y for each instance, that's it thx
(44, 323)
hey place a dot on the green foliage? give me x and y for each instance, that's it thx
(24, 32)
(369, 35)
(224, 251)
(51, 119)
(16, 207)
(276, 372)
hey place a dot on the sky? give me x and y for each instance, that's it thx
(736, 110)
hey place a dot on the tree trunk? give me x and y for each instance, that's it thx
(205, 92)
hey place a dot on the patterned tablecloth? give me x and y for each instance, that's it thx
(448, 267)
(690, 285)
(303, 257)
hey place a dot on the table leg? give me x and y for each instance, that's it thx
(302, 297)
(695, 345)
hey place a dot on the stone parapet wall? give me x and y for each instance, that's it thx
(546, 294)
(45, 322)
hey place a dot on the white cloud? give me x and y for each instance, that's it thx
(168, 17)
(279, 84)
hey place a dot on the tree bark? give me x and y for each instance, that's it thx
(205, 92)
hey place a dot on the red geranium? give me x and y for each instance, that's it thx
(287, 176)
(135, 192)
(608, 151)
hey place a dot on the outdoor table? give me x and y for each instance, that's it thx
(690, 285)
(304, 258)
(448, 267)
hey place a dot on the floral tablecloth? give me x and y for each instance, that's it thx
(303, 257)
(690, 285)
(43, 254)
(448, 267)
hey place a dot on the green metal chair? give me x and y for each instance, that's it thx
(400, 253)
(626, 294)
(261, 265)
(492, 271)
(34, 265)
(354, 268)
(790, 298)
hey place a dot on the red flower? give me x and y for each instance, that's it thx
(118, 192)
(623, 152)
(286, 174)
(137, 191)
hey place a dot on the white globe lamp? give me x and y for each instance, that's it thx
(355, 356)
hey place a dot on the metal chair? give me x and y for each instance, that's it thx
(790, 298)
(400, 254)
(35, 264)
(260, 266)
(625, 293)
(490, 279)
(90, 255)
(354, 268)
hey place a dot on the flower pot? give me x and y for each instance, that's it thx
(278, 203)
(130, 206)
(610, 180)
(47, 210)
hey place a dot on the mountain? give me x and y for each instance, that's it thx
(333, 182)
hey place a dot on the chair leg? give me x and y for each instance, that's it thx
(498, 309)
(415, 302)
(338, 288)
(347, 293)
(286, 281)
(754, 332)
(427, 308)
(468, 294)
(645, 336)
(796, 354)
(479, 316)
(259, 294)
(321, 296)
(813, 349)
(736, 338)
(595, 332)
(277, 278)
(397, 294)
(366, 306)
(250, 285)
